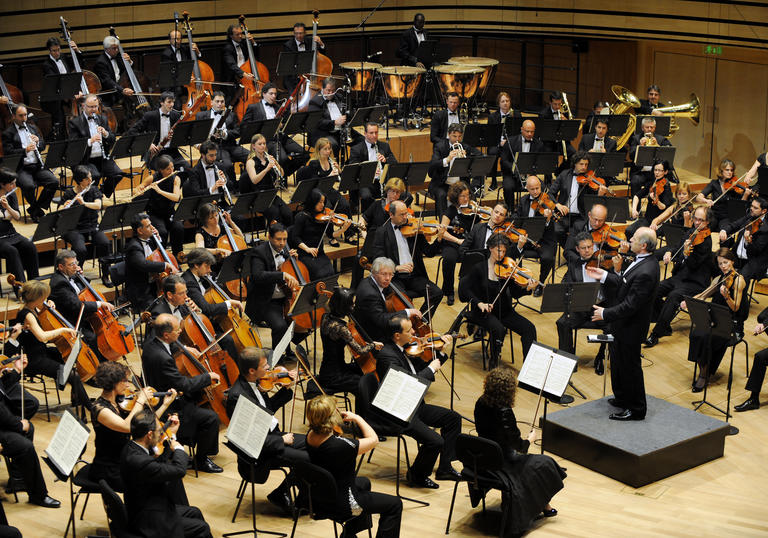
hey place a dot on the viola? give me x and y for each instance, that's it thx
(111, 339)
(513, 233)
(214, 394)
(242, 332)
(132, 79)
(307, 321)
(322, 66)
(433, 342)
(202, 75)
(753, 228)
(337, 219)
(606, 236)
(483, 213)
(233, 243)
(544, 202)
(510, 268)
(429, 230)
(251, 88)
(593, 182)
(366, 361)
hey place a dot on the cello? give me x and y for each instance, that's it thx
(162, 255)
(233, 243)
(14, 96)
(307, 321)
(251, 88)
(201, 73)
(142, 105)
(322, 66)
(242, 332)
(198, 332)
(213, 395)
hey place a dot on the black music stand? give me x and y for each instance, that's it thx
(294, 63)
(175, 74)
(482, 135)
(410, 173)
(191, 133)
(116, 217)
(618, 208)
(356, 176)
(534, 164)
(737, 208)
(268, 128)
(60, 87)
(368, 114)
(479, 166)
(56, 223)
(607, 165)
(647, 155)
(301, 122)
(189, 206)
(617, 123)
(309, 301)
(132, 146)
(305, 186)
(63, 154)
(253, 203)
(233, 267)
(535, 226)
(674, 234)
(662, 124)
(514, 124)
(12, 162)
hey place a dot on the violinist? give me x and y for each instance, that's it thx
(490, 299)
(547, 244)
(300, 42)
(377, 213)
(658, 194)
(19, 253)
(524, 142)
(408, 254)
(400, 333)
(595, 226)
(678, 213)
(110, 68)
(10, 390)
(332, 120)
(199, 426)
(458, 197)
(598, 142)
(161, 121)
(269, 287)
(751, 244)
(155, 500)
(726, 177)
(759, 164)
(690, 276)
(234, 53)
(261, 174)
(320, 166)
(139, 288)
(757, 375)
(163, 197)
(443, 155)
(94, 126)
(112, 423)
(54, 64)
(174, 52)
(210, 176)
(729, 290)
(225, 133)
(482, 231)
(279, 448)
(500, 117)
(368, 150)
(642, 176)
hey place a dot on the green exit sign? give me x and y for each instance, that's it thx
(714, 50)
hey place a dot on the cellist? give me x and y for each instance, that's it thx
(110, 68)
(138, 269)
(199, 262)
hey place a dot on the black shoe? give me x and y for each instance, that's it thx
(448, 474)
(282, 500)
(333, 243)
(382, 439)
(47, 502)
(451, 299)
(751, 403)
(552, 512)
(538, 291)
(699, 385)
(626, 415)
(207, 466)
(599, 367)
(652, 340)
(425, 482)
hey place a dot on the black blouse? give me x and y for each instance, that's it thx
(89, 220)
(500, 425)
(335, 336)
(338, 456)
(29, 343)
(266, 183)
(109, 443)
(309, 231)
(6, 225)
(209, 241)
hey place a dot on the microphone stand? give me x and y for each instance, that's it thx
(363, 56)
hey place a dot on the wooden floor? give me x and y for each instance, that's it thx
(722, 498)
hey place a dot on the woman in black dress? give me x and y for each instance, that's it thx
(338, 455)
(715, 188)
(163, 197)
(655, 204)
(322, 165)
(307, 234)
(112, 423)
(458, 195)
(209, 231)
(85, 193)
(261, 174)
(533, 479)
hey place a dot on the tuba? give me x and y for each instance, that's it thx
(690, 110)
(626, 103)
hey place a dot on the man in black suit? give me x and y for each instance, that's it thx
(175, 53)
(647, 106)
(279, 448)
(757, 375)
(598, 141)
(751, 248)
(266, 293)
(161, 121)
(400, 332)
(139, 287)
(225, 133)
(371, 149)
(234, 53)
(481, 231)
(629, 319)
(19, 253)
(110, 68)
(525, 142)
(54, 64)
(500, 117)
(332, 120)
(370, 300)
(409, 41)
(442, 119)
(23, 138)
(95, 127)
(199, 426)
(300, 42)
(204, 179)
(199, 262)
(408, 254)
(152, 483)
(443, 153)
(547, 243)
(642, 176)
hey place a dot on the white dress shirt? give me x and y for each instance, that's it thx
(30, 157)
(59, 65)
(239, 52)
(279, 260)
(403, 251)
(165, 127)
(573, 196)
(97, 149)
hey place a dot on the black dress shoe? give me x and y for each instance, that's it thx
(626, 415)
(47, 502)
(382, 439)
(599, 367)
(699, 385)
(425, 482)
(748, 405)
(282, 500)
(552, 512)
(448, 474)
(538, 291)
(207, 466)
(451, 299)
(652, 340)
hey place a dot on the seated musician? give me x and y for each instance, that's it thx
(751, 243)
(19, 253)
(443, 119)
(112, 423)
(443, 154)
(546, 251)
(481, 231)
(55, 64)
(320, 166)
(279, 448)
(690, 276)
(260, 174)
(224, 133)
(496, 117)
(234, 53)
(95, 127)
(458, 201)
(707, 349)
(371, 149)
(139, 288)
(110, 68)
(209, 232)
(757, 375)
(330, 124)
(410, 40)
(658, 198)
(269, 288)
(300, 42)
(85, 193)
(651, 103)
(16, 439)
(491, 306)
(596, 221)
(209, 176)
(408, 254)
(726, 172)
(161, 121)
(378, 213)
(598, 141)
(24, 138)
(759, 164)
(581, 320)
(155, 500)
(525, 142)
(597, 111)
(400, 333)
(308, 235)
(174, 53)
(679, 213)
(199, 262)
(11, 393)
(163, 196)
(642, 176)
(290, 155)
(199, 426)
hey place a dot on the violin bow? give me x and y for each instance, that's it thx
(325, 230)
(23, 356)
(432, 343)
(725, 191)
(693, 234)
(5, 321)
(416, 237)
(301, 362)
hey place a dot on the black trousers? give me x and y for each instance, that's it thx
(14, 400)
(389, 507)
(440, 194)
(627, 373)
(757, 375)
(427, 417)
(24, 461)
(32, 176)
(546, 256)
(192, 522)
(77, 239)
(199, 427)
(450, 258)
(319, 267)
(272, 315)
(416, 286)
(167, 226)
(20, 254)
(568, 225)
(674, 289)
(498, 321)
(576, 320)
(102, 167)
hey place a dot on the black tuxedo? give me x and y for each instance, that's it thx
(18, 446)
(100, 166)
(359, 154)
(197, 295)
(50, 68)
(169, 56)
(150, 123)
(290, 81)
(646, 108)
(547, 242)
(438, 127)
(325, 127)
(371, 309)
(438, 173)
(103, 69)
(139, 289)
(197, 182)
(31, 175)
(58, 109)
(68, 303)
(512, 181)
(560, 192)
(475, 239)
(230, 125)
(231, 68)
(495, 118)
(755, 265)
(409, 42)
(588, 142)
(265, 277)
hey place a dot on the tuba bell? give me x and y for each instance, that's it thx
(690, 110)
(626, 103)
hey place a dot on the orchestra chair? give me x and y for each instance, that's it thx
(320, 486)
(117, 516)
(87, 486)
(38, 378)
(735, 340)
(483, 461)
(258, 473)
(9, 488)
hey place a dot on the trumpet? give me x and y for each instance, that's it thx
(649, 140)
(458, 147)
(220, 175)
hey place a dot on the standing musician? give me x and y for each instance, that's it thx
(139, 288)
(163, 196)
(647, 106)
(400, 333)
(175, 53)
(408, 254)
(19, 253)
(371, 149)
(279, 447)
(443, 154)
(290, 155)
(410, 40)
(330, 124)
(199, 426)
(598, 141)
(726, 172)
(659, 197)
(643, 176)
(757, 375)
(525, 142)
(226, 134)
(690, 275)
(110, 68)
(209, 231)
(95, 127)
(490, 299)
(261, 174)
(23, 138)
(234, 53)
(500, 117)
(300, 42)
(323, 165)
(751, 244)
(481, 231)
(729, 290)
(628, 320)
(54, 64)
(155, 500)
(443, 119)
(161, 121)
(547, 244)
(204, 179)
(458, 198)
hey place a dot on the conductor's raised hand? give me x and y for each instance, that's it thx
(595, 272)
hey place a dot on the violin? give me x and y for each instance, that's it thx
(242, 332)
(278, 377)
(732, 184)
(606, 236)
(753, 228)
(433, 342)
(472, 208)
(513, 233)
(233, 243)
(251, 88)
(428, 229)
(337, 219)
(131, 395)
(593, 182)
(510, 268)
(201, 74)
(544, 202)
(307, 321)
(322, 66)
(165, 436)
(657, 189)
(131, 79)
(696, 238)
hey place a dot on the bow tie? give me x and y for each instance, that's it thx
(271, 105)
(91, 118)
(22, 127)
(217, 113)
(211, 167)
(165, 115)
(419, 32)
(398, 226)
(598, 139)
(373, 146)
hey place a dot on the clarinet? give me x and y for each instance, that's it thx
(37, 152)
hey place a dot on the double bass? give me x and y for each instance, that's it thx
(131, 79)
(14, 96)
(322, 66)
(251, 88)
(201, 73)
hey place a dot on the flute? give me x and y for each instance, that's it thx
(142, 191)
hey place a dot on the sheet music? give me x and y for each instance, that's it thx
(534, 370)
(67, 443)
(64, 372)
(399, 394)
(248, 427)
(280, 348)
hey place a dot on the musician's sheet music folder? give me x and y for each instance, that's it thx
(534, 371)
(400, 394)
(248, 427)
(67, 443)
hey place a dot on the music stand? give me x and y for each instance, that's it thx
(175, 74)
(663, 124)
(56, 223)
(556, 130)
(607, 164)
(514, 124)
(674, 234)
(63, 154)
(191, 133)
(60, 87)
(309, 301)
(116, 217)
(130, 146)
(305, 186)
(301, 122)
(356, 176)
(647, 155)
(12, 162)
(472, 166)
(737, 208)
(233, 267)
(535, 226)
(368, 114)
(618, 208)
(410, 173)
(293, 63)
(617, 123)
(253, 203)
(188, 207)
(533, 164)
(482, 135)
(268, 128)
(762, 180)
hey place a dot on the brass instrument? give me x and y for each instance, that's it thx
(626, 104)
(565, 108)
(463, 113)
(458, 147)
(649, 140)
(690, 110)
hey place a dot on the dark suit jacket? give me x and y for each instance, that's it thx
(693, 268)
(264, 277)
(326, 125)
(161, 371)
(385, 245)
(371, 309)
(646, 108)
(359, 152)
(290, 81)
(168, 54)
(474, 288)
(49, 67)
(475, 239)
(138, 287)
(588, 141)
(439, 173)
(78, 128)
(66, 300)
(12, 142)
(193, 291)
(390, 355)
(521, 212)
(408, 45)
(634, 141)
(635, 292)
(495, 117)
(757, 250)
(197, 183)
(560, 190)
(514, 146)
(254, 112)
(233, 130)
(150, 123)
(103, 69)
(230, 68)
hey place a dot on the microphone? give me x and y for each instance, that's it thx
(378, 53)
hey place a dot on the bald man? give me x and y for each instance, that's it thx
(546, 249)
(525, 142)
